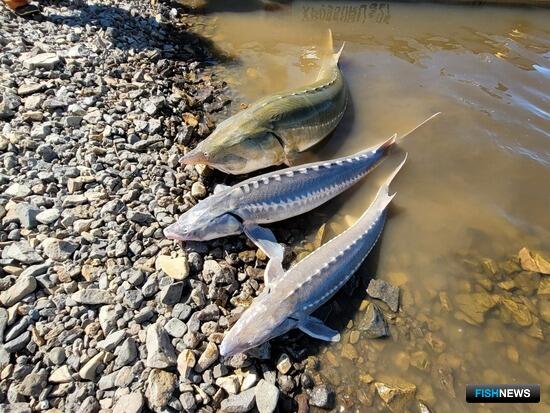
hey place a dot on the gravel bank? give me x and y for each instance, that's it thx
(98, 312)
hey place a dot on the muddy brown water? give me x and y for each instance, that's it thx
(476, 184)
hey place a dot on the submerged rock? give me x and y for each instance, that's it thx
(322, 396)
(518, 311)
(396, 398)
(384, 291)
(474, 306)
(531, 261)
(373, 324)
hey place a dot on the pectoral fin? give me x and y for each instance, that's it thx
(273, 271)
(292, 158)
(316, 328)
(265, 240)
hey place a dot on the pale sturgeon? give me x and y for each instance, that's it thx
(272, 130)
(289, 298)
(275, 196)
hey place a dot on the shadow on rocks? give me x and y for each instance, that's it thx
(134, 29)
(242, 6)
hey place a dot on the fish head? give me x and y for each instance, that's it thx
(261, 322)
(237, 150)
(202, 224)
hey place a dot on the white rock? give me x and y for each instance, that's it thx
(22, 287)
(61, 375)
(249, 380)
(175, 327)
(267, 396)
(207, 358)
(112, 340)
(88, 371)
(58, 249)
(17, 190)
(230, 384)
(160, 352)
(186, 362)
(129, 403)
(42, 60)
(177, 268)
(48, 216)
(284, 364)
(92, 296)
(198, 190)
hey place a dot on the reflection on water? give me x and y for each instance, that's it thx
(476, 183)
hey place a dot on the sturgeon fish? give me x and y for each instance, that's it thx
(275, 196)
(289, 298)
(275, 128)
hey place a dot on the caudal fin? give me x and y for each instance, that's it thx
(383, 197)
(330, 48)
(330, 59)
(330, 43)
(416, 127)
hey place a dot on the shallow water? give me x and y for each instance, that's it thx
(476, 183)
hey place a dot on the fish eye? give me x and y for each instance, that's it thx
(206, 154)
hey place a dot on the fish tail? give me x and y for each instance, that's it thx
(383, 197)
(330, 48)
(388, 143)
(336, 56)
(330, 43)
(416, 127)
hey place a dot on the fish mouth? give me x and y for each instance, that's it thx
(194, 157)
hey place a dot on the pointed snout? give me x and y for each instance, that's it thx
(224, 349)
(194, 157)
(171, 232)
(228, 347)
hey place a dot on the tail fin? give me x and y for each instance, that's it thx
(383, 197)
(330, 43)
(330, 48)
(388, 143)
(416, 127)
(330, 59)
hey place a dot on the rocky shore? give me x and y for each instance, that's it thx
(98, 312)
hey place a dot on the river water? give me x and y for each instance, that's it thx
(476, 184)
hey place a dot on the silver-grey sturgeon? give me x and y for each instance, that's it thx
(273, 129)
(289, 298)
(275, 196)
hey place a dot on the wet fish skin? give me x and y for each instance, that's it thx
(273, 129)
(274, 196)
(290, 298)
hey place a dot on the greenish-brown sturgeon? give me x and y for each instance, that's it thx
(275, 128)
